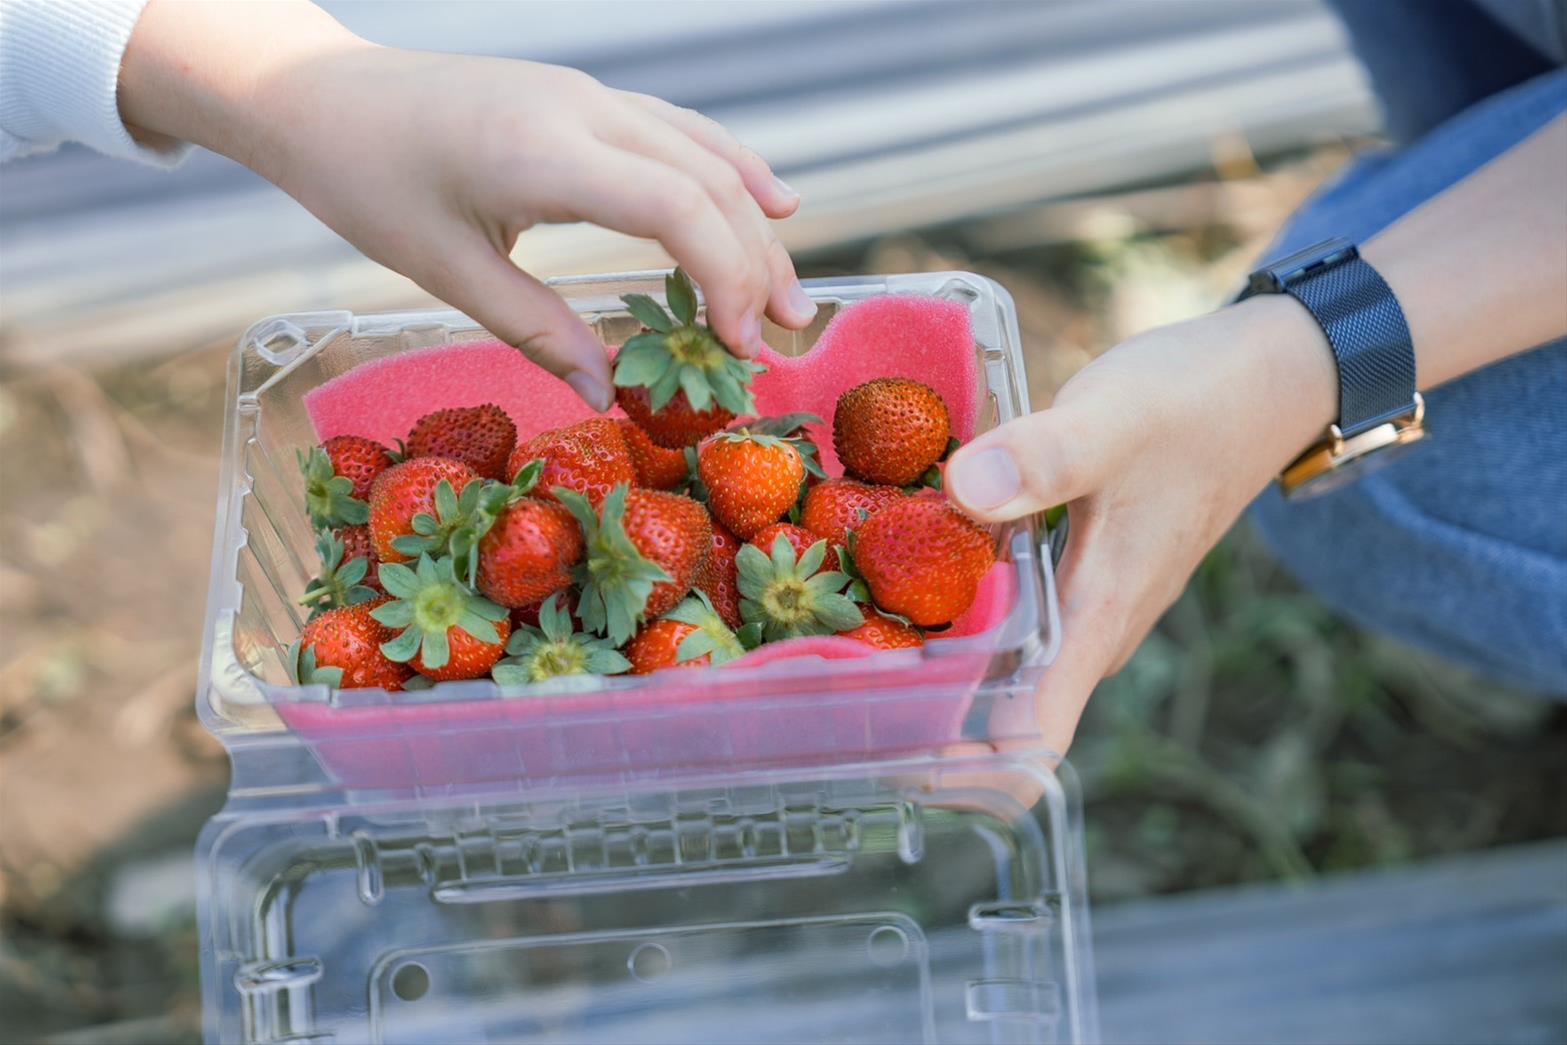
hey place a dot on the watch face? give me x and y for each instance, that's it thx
(1352, 470)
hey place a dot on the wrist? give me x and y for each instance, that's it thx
(216, 74)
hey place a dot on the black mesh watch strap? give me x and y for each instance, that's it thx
(1363, 323)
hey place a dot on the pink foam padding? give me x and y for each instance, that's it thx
(679, 718)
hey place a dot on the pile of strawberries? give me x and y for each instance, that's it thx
(674, 539)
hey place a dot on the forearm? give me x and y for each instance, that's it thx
(210, 73)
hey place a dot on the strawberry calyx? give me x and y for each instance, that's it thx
(555, 649)
(329, 497)
(339, 581)
(678, 354)
(792, 597)
(616, 578)
(303, 671)
(712, 636)
(461, 520)
(427, 602)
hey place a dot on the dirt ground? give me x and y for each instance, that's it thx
(1255, 736)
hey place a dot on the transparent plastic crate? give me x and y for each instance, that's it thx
(806, 850)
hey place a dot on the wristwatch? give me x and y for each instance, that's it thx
(1380, 412)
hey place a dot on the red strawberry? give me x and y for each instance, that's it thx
(357, 544)
(342, 648)
(890, 430)
(657, 468)
(718, 579)
(675, 425)
(406, 490)
(884, 632)
(656, 647)
(676, 380)
(589, 457)
(644, 551)
(444, 630)
(832, 508)
(923, 559)
(798, 536)
(751, 480)
(689, 635)
(357, 459)
(528, 553)
(481, 437)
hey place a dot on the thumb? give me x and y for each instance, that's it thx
(1033, 463)
(525, 313)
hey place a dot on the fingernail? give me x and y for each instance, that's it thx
(784, 187)
(750, 334)
(800, 303)
(988, 479)
(593, 391)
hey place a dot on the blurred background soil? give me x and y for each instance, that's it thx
(1254, 736)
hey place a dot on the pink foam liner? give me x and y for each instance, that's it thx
(799, 709)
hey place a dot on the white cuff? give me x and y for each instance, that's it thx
(59, 75)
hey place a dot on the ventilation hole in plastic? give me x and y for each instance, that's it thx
(649, 962)
(411, 982)
(887, 945)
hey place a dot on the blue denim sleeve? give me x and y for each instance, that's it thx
(1461, 546)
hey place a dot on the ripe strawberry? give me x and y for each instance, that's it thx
(689, 635)
(481, 437)
(675, 379)
(589, 457)
(528, 552)
(447, 632)
(342, 648)
(554, 649)
(718, 579)
(675, 425)
(657, 468)
(357, 459)
(798, 536)
(884, 632)
(644, 550)
(751, 480)
(890, 430)
(923, 559)
(833, 508)
(405, 491)
(329, 497)
(357, 544)
(344, 580)
(790, 596)
(657, 647)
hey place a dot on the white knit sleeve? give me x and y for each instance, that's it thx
(59, 73)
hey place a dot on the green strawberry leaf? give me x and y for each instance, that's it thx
(648, 312)
(681, 296)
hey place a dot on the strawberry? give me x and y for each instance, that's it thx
(357, 459)
(342, 648)
(528, 616)
(657, 468)
(406, 491)
(798, 536)
(833, 508)
(884, 632)
(554, 649)
(690, 635)
(446, 631)
(358, 544)
(528, 552)
(717, 578)
(923, 559)
(343, 580)
(644, 550)
(751, 480)
(676, 424)
(676, 380)
(589, 457)
(329, 497)
(481, 437)
(890, 430)
(791, 596)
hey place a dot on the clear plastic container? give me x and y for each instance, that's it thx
(807, 849)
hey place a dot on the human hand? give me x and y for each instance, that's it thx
(434, 164)
(1156, 447)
